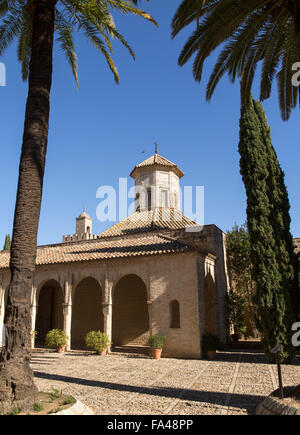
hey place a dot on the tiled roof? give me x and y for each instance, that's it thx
(152, 220)
(157, 160)
(104, 249)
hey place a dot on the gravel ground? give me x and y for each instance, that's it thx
(135, 384)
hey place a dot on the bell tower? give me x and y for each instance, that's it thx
(83, 224)
(83, 229)
(157, 183)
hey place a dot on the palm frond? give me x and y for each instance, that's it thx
(65, 39)
(249, 32)
(93, 17)
(91, 33)
(10, 27)
(189, 11)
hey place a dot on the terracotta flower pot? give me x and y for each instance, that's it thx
(61, 349)
(235, 338)
(102, 352)
(156, 353)
(211, 354)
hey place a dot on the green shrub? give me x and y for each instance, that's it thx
(55, 394)
(210, 342)
(241, 329)
(55, 411)
(56, 338)
(69, 401)
(156, 341)
(38, 407)
(16, 411)
(97, 340)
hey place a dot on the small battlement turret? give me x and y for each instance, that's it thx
(83, 229)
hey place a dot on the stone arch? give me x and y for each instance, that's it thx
(210, 304)
(130, 317)
(4, 297)
(175, 314)
(49, 309)
(87, 312)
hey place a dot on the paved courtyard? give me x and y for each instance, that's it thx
(134, 384)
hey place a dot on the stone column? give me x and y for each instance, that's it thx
(67, 311)
(107, 308)
(150, 313)
(33, 315)
(201, 311)
(107, 318)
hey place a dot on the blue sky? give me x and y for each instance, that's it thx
(98, 133)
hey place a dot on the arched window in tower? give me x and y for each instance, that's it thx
(149, 199)
(164, 199)
(137, 202)
(175, 314)
(88, 230)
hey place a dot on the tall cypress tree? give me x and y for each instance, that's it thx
(280, 217)
(7, 243)
(269, 230)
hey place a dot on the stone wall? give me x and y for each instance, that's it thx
(211, 240)
(158, 181)
(166, 278)
(175, 278)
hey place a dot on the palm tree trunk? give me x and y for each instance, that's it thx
(17, 387)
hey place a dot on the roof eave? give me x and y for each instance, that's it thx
(175, 169)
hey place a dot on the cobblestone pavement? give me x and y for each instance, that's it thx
(135, 384)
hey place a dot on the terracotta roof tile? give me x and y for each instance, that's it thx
(104, 249)
(157, 160)
(152, 220)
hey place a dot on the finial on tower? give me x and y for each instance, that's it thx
(156, 148)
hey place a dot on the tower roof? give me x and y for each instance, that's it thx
(157, 161)
(159, 219)
(84, 215)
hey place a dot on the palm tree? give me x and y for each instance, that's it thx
(252, 32)
(34, 23)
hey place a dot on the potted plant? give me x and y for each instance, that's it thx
(241, 331)
(210, 344)
(98, 341)
(156, 343)
(58, 339)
